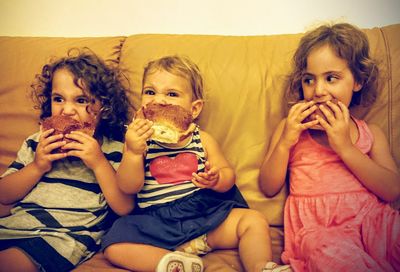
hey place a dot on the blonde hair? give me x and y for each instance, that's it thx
(179, 66)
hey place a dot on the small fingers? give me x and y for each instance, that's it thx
(50, 147)
(79, 136)
(57, 156)
(301, 106)
(73, 145)
(310, 124)
(211, 172)
(345, 110)
(198, 181)
(336, 109)
(322, 122)
(141, 126)
(46, 137)
(50, 143)
(304, 114)
(73, 153)
(329, 114)
(301, 110)
(46, 133)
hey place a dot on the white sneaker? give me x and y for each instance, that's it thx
(180, 262)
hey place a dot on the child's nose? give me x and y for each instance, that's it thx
(320, 89)
(160, 99)
(68, 109)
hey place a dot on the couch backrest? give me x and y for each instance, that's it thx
(243, 76)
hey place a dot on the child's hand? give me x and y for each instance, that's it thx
(337, 126)
(47, 143)
(294, 122)
(207, 179)
(139, 131)
(84, 147)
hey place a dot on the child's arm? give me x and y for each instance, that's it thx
(130, 174)
(378, 171)
(218, 175)
(89, 151)
(17, 185)
(274, 167)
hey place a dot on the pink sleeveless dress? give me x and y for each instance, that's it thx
(332, 222)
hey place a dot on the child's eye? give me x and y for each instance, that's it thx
(308, 80)
(148, 92)
(331, 78)
(173, 94)
(82, 100)
(57, 99)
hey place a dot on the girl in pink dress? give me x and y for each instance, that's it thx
(341, 172)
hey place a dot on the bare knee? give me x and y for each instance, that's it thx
(253, 220)
(14, 259)
(112, 252)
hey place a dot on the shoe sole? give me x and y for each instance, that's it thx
(181, 262)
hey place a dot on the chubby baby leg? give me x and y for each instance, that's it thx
(248, 231)
(135, 257)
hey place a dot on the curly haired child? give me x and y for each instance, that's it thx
(62, 199)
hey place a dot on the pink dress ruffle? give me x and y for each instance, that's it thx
(332, 222)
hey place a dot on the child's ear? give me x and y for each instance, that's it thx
(197, 106)
(357, 87)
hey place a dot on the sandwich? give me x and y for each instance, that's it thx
(171, 123)
(312, 116)
(64, 125)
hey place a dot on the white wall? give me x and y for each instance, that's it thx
(229, 17)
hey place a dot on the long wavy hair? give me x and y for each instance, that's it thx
(99, 80)
(350, 44)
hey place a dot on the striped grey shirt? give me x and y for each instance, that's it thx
(66, 208)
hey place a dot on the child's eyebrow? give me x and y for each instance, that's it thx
(83, 95)
(53, 93)
(325, 73)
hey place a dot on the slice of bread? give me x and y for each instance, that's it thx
(171, 123)
(64, 125)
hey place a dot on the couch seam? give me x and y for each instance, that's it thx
(116, 52)
(121, 45)
(390, 90)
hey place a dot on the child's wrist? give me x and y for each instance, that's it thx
(134, 153)
(284, 145)
(38, 170)
(347, 152)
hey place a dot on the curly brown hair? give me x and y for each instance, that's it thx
(350, 44)
(99, 80)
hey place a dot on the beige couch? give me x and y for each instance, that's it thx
(243, 88)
